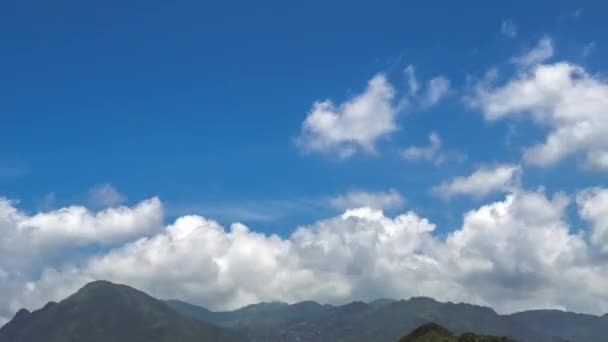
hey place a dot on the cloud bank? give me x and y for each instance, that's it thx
(516, 253)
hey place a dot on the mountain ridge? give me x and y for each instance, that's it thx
(104, 311)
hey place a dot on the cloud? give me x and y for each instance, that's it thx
(412, 81)
(516, 253)
(593, 207)
(435, 90)
(540, 53)
(12, 169)
(589, 48)
(508, 28)
(390, 199)
(28, 239)
(482, 182)
(428, 153)
(353, 126)
(433, 152)
(105, 195)
(562, 98)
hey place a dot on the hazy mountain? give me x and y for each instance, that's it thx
(568, 325)
(432, 332)
(382, 320)
(103, 312)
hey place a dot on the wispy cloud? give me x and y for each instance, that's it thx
(105, 195)
(433, 152)
(540, 53)
(508, 28)
(390, 199)
(12, 169)
(482, 182)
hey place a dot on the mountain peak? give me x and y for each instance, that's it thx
(103, 311)
(21, 314)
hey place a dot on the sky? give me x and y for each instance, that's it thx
(293, 151)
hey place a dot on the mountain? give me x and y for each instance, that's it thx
(382, 320)
(568, 325)
(102, 312)
(432, 332)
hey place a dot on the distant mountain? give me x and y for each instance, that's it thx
(104, 312)
(432, 332)
(383, 320)
(568, 325)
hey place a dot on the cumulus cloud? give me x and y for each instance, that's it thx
(508, 28)
(540, 53)
(31, 243)
(390, 199)
(513, 254)
(562, 97)
(482, 182)
(593, 207)
(27, 240)
(105, 195)
(353, 126)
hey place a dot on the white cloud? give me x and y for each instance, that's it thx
(353, 126)
(436, 90)
(593, 207)
(105, 195)
(26, 240)
(433, 152)
(540, 53)
(561, 97)
(390, 199)
(482, 182)
(428, 153)
(412, 81)
(31, 243)
(508, 28)
(513, 254)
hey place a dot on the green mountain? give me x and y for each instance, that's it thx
(432, 332)
(104, 312)
(570, 326)
(381, 320)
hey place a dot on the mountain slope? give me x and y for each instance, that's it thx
(432, 332)
(384, 320)
(102, 311)
(568, 325)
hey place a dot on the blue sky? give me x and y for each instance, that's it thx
(141, 130)
(199, 103)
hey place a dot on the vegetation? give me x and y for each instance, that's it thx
(432, 332)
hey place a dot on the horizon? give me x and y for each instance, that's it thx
(228, 154)
(394, 300)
